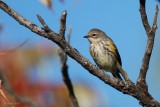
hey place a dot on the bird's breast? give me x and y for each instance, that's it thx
(101, 56)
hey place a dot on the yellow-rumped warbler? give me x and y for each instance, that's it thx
(104, 52)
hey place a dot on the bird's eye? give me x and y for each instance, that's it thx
(94, 35)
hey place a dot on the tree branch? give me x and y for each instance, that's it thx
(144, 15)
(69, 34)
(151, 34)
(154, 26)
(126, 87)
(63, 59)
(63, 24)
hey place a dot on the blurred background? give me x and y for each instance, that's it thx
(31, 64)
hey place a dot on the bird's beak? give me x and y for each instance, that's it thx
(87, 36)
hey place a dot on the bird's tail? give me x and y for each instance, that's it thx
(117, 75)
(123, 73)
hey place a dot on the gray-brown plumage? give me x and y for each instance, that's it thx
(104, 52)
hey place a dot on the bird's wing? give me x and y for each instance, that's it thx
(115, 50)
(118, 57)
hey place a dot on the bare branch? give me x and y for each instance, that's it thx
(63, 59)
(47, 29)
(69, 34)
(66, 79)
(151, 34)
(144, 16)
(63, 24)
(141, 82)
(154, 26)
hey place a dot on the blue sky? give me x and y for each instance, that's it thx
(120, 20)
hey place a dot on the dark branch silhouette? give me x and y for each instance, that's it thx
(63, 59)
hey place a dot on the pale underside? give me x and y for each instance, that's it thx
(102, 57)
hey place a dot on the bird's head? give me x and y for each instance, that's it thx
(95, 35)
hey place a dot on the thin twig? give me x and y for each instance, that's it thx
(144, 16)
(46, 28)
(63, 59)
(69, 34)
(66, 79)
(154, 26)
(63, 24)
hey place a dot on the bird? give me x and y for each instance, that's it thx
(104, 52)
